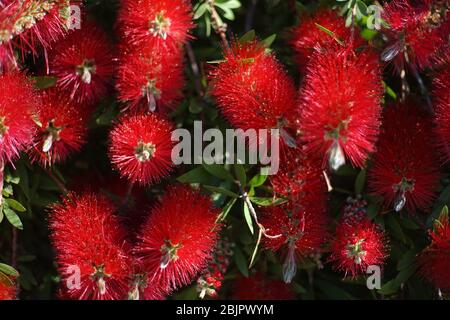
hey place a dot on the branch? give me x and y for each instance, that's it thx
(195, 69)
(244, 196)
(57, 181)
(219, 26)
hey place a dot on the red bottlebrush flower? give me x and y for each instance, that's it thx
(358, 243)
(209, 283)
(418, 33)
(60, 129)
(299, 228)
(161, 25)
(307, 37)
(257, 287)
(405, 168)
(252, 89)
(29, 25)
(7, 290)
(150, 80)
(441, 93)
(435, 259)
(178, 239)
(340, 105)
(17, 101)
(83, 62)
(297, 174)
(90, 244)
(141, 148)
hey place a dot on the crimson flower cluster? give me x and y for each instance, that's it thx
(7, 290)
(340, 105)
(307, 37)
(418, 33)
(405, 170)
(151, 63)
(29, 26)
(434, 260)
(177, 240)
(92, 254)
(83, 63)
(210, 282)
(441, 92)
(358, 242)
(253, 91)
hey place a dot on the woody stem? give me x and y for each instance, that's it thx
(252, 210)
(218, 25)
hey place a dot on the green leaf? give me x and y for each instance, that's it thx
(409, 224)
(389, 287)
(327, 31)
(200, 11)
(240, 173)
(7, 190)
(8, 270)
(360, 181)
(240, 261)
(406, 260)
(233, 4)
(368, 34)
(247, 37)
(1, 214)
(17, 206)
(349, 19)
(208, 26)
(370, 22)
(267, 42)
(248, 218)
(255, 251)
(389, 91)
(223, 215)
(261, 201)
(222, 191)
(362, 7)
(218, 171)
(258, 180)
(227, 12)
(196, 175)
(44, 82)
(13, 218)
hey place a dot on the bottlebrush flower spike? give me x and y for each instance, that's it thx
(83, 62)
(441, 93)
(301, 224)
(141, 148)
(150, 80)
(29, 25)
(257, 287)
(7, 289)
(88, 239)
(405, 170)
(298, 175)
(418, 33)
(252, 89)
(434, 260)
(161, 24)
(358, 242)
(178, 239)
(60, 129)
(340, 106)
(17, 100)
(209, 283)
(307, 37)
